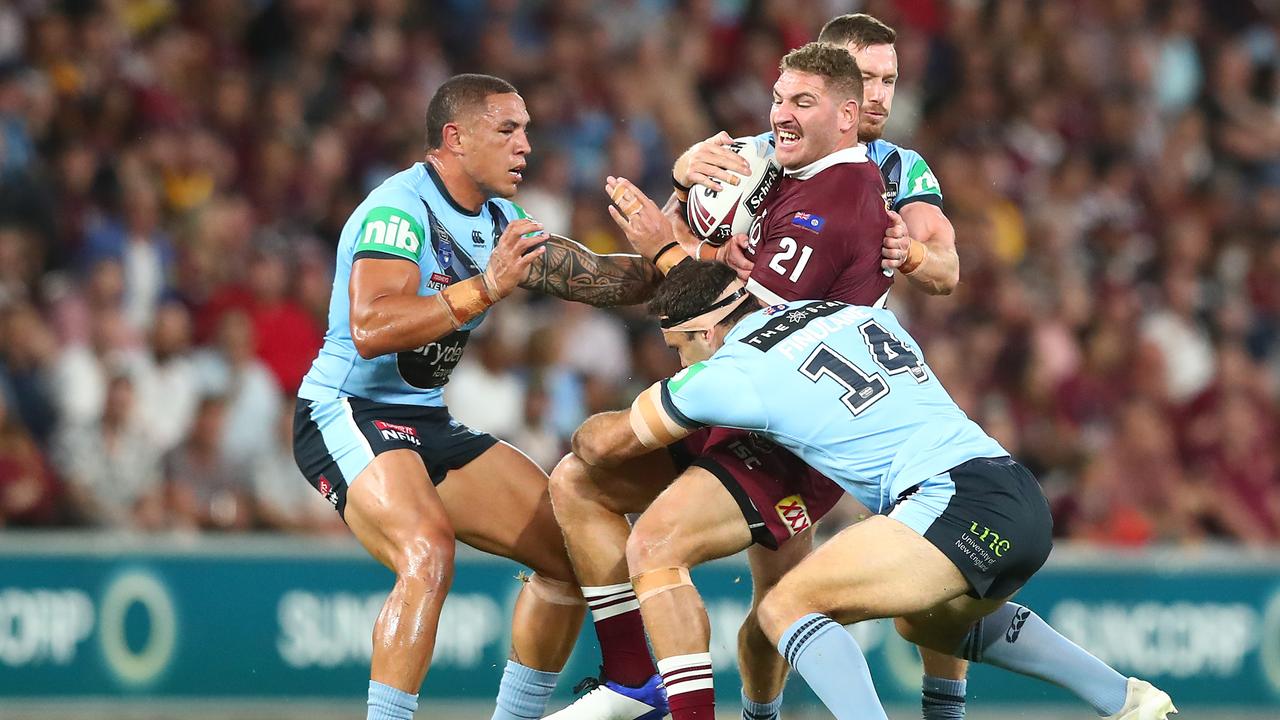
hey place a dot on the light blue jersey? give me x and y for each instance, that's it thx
(844, 387)
(411, 217)
(907, 177)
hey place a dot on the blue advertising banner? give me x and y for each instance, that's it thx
(249, 618)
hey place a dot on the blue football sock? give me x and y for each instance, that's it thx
(752, 710)
(388, 703)
(942, 698)
(832, 663)
(1014, 638)
(523, 693)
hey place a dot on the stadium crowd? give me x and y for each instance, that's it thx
(174, 177)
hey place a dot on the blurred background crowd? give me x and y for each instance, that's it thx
(174, 177)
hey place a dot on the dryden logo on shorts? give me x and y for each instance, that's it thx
(794, 514)
(430, 365)
(391, 431)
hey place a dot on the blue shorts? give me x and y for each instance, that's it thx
(989, 517)
(335, 440)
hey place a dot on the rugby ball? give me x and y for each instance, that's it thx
(715, 216)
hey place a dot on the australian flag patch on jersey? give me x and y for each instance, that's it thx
(808, 221)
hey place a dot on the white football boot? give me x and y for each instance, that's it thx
(1144, 701)
(607, 700)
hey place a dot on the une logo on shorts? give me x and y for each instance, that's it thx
(794, 514)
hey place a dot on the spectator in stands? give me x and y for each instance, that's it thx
(286, 338)
(82, 371)
(248, 391)
(30, 495)
(282, 498)
(112, 465)
(1112, 171)
(171, 391)
(137, 241)
(28, 351)
(206, 490)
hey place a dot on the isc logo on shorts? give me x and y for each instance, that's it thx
(391, 431)
(794, 514)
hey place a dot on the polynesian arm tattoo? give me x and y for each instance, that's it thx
(569, 271)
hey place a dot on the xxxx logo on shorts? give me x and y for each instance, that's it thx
(794, 514)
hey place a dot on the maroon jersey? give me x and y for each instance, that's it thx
(818, 235)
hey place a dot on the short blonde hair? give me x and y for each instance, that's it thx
(833, 64)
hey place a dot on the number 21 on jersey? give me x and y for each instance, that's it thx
(789, 248)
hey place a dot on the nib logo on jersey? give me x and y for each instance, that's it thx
(393, 432)
(388, 227)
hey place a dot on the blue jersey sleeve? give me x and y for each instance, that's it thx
(392, 225)
(918, 183)
(713, 393)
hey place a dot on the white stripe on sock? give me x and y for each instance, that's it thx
(606, 601)
(683, 662)
(681, 688)
(599, 602)
(597, 591)
(614, 610)
(685, 675)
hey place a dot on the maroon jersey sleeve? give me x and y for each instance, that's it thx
(820, 238)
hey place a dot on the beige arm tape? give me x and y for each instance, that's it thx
(917, 254)
(650, 421)
(652, 582)
(670, 258)
(467, 299)
(556, 592)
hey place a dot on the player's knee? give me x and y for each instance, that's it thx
(652, 545)
(427, 560)
(783, 605)
(775, 613)
(907, 630)
(568, 480)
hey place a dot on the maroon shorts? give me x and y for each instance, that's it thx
(779, 494)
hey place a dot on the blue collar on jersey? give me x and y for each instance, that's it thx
(444, 192)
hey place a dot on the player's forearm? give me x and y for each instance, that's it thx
(691, 244)
(939, 272)
(572, 272)
(606, 440)
(396, 323)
